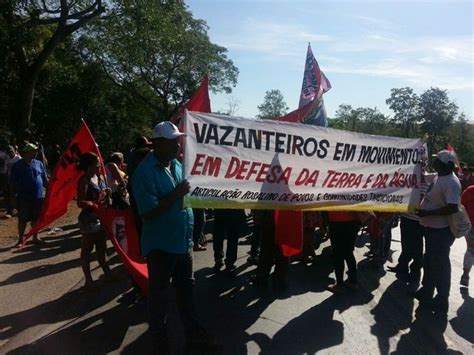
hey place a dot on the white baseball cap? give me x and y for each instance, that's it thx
(445, 156)
(166, 130)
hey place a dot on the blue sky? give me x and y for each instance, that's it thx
(365, 48)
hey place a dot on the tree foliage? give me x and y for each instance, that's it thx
(73, 83)
(32, 30)
(273, 105)
(432, 116)
(158, 52)
(361, 119)
(405, 103)
(438, 112)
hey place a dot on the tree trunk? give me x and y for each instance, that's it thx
(25, 104)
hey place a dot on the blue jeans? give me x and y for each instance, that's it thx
(436, 263)
(164, 271)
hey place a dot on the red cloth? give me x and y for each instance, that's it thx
(341, 216)
(289, 232)
(120, 228)
(467, 199)
(62, 187)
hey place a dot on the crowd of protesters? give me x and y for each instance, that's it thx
(149, 180)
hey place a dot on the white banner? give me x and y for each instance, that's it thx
(234, 162)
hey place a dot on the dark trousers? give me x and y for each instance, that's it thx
(164, 271)
(412, 246)
(343, 235)
(227, 223)
(270, 254)
(386, 239)
(199, 224)
(436, 263)
(255, 238)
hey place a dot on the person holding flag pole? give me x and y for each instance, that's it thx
(92, 192)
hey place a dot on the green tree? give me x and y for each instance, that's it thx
(360, 119)
(405, 103)
(372, 121)
(460, 135)
(346, 118)
(273, 105)
(158, 52)
(438, 113)
(69, 89)
(32, 32)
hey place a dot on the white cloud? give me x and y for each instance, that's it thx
(421, 76)
(420, 61)
(270, 38)
(375, 22)
(438, 49)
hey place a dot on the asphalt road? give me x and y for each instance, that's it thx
(44, 311)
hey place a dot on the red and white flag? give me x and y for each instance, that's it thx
(311, 107)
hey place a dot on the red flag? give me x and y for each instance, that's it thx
(62, 187)
(199, 102)
(450, 148)
(120, 228)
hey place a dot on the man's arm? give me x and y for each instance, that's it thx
(450, 208)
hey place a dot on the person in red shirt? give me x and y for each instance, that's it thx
(343, 229)
(467, 200)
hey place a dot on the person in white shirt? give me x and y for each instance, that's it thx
(441, 200)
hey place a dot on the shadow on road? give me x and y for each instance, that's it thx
(463, 323)
(54, 245)
(99, 333)
(90, 335)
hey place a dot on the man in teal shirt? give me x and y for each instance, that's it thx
(166, 237)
